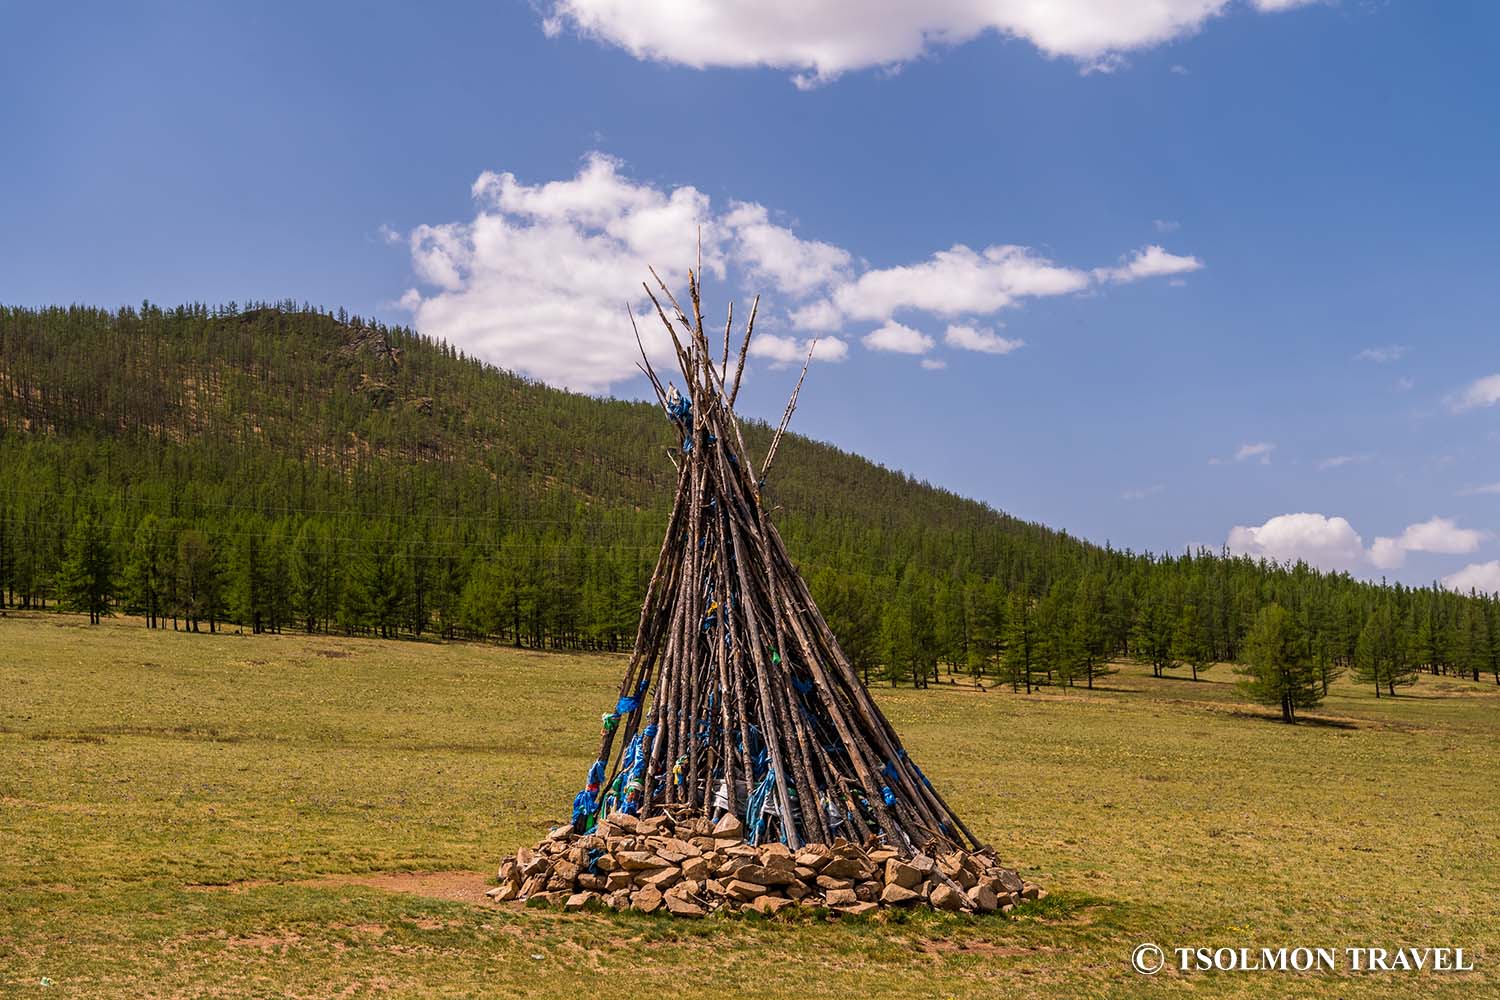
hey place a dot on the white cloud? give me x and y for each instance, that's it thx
(1142, 493)
(957, 281)
(1148, 262)
(969, 338)
(1339, 461)
(1404, 384)
(1483, 577)
(1382, 355)
(1260, 449)
(537, 280)
(899, 338)
(1480, 392)
(1439, 534)
(783, 351)
(1167, 225)
(1325, 542)
(793, 265)
(819, 41)
(1486, 489)
(934, 364)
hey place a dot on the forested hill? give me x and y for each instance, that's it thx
(278, 466)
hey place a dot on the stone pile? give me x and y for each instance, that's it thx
(692, 868)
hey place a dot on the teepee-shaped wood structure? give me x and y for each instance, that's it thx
(738, 700)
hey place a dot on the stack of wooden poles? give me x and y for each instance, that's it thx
(738, 699)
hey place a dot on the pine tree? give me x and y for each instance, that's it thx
(196, 578)
(148, 571)
(1020, 641)
(1190, 641)
(87, 576)
(1278, 671)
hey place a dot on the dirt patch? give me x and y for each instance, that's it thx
(457, 886)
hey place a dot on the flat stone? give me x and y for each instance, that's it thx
(841, 867)
(882, 855)
(923, 863)
(582, 901)
(664, 878)
(682, 906)
(695, 868)
(623, 821)
(589, 882)
(618, 900)
(744, 891)
(545, 898)
(729, 828)
(827, 882)
(503, 893)
(769, 905)
(840, 897)
(896, 895)
(814, 856)
(615, 881)
(764, 876)
(867, 892)
(1031, 892)
(606, 863)
(775, 849)
(639, 861)
(858, 909)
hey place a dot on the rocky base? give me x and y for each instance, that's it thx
(693, 868)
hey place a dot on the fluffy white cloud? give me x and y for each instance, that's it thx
(1326, 542)
(1440, 534)
(783, 351)
(1148, 262)
(898, 338)
(1483, 577)
(794, 265)
(538, 279)
(819, 41)
(1480, 392)
(1260, 449)
(969, 338)
(958, 281)
(1332, 542)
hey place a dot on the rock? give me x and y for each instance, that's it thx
(683, 906)
(744, 891)
(582, 901)
(729, 828)
(805, 873)
(578, 855)
(846, 868)
(900, 873)
(769, 905)
(656, 824)
(897, 895)
(945, 897)
(503, 893)
(670, 857)
(840, 897)
(813, 856)
(867, 892)
(533, 885)
(615, 881)
(923, 864)
(606, 863)
(647, 899)
(618, 900)
(663, 879)
(775, 850)
(683, 847)
(545, 898)
(982, 899)
(623, 821)
(715, 888)
(589, 882)
(825, 882)
(1004, 899)
(764, 876)
(695, 868)
(1010, 880)
(1031, 891)
(535, 866)
(639, 861)
(881, 856)
(858, 909)
(798, 891)
(559, 833)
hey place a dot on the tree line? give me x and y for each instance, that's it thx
(276, 466)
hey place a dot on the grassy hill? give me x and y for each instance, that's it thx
(279, 466)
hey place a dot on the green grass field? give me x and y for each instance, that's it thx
(185, 816)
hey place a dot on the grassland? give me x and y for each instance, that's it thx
(218, 816)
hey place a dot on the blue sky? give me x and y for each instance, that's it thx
(1224, 228)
